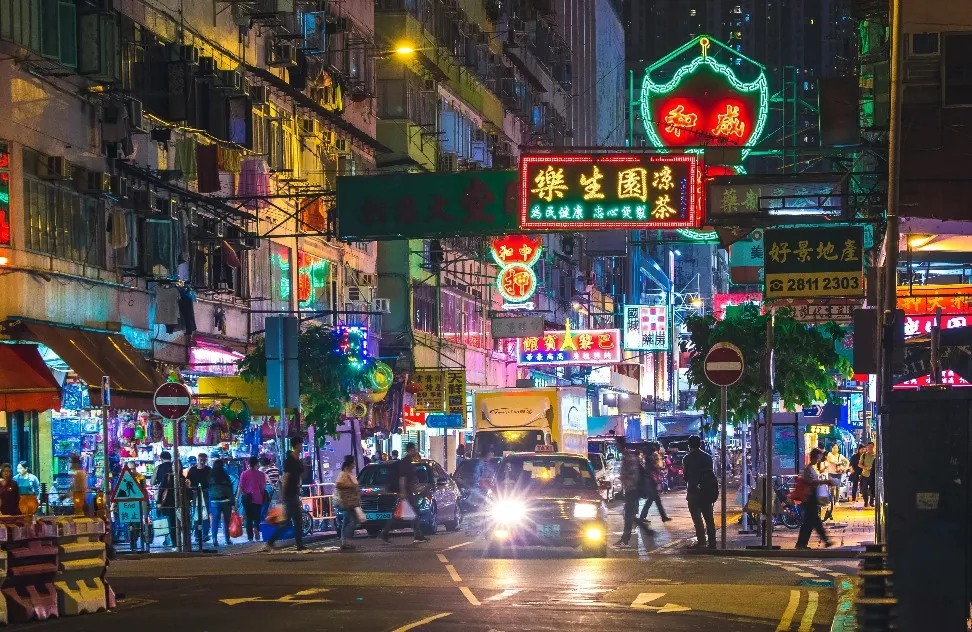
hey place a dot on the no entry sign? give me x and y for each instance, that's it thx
(724, 364)
(173, 400)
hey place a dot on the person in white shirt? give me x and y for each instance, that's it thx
(835, 465)
(810, 509)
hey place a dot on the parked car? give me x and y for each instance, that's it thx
(437, 497)
(608, 472)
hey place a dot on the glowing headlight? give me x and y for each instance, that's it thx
(508, 511)
(584, 510)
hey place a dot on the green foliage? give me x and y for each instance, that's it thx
(328, 376)
(805, 359)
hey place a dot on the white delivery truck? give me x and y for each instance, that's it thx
(521, 419)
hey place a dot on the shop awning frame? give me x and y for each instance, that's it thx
(26, 383)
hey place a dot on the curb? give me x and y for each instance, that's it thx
(845, 617)
(222, 552)
(813, 554)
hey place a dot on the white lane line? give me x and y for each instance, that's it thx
(442, 558)
(792, 569)
(836, 574)
(471, 598)
(808, 575)
(787, 619)
(421, 622)
(503, 595)
(457, 546)
(806, 624)
(452, 573)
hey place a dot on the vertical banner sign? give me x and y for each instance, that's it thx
(4, 194)
(646, 327)
(455, 382)
(430, 393)
(814, 262)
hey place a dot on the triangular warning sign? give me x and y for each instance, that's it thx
(128, 489)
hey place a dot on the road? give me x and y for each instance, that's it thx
(446, 585)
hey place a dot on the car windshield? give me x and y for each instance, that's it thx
(506, 441)
(596, 460)
(547, 473)
(379, 475)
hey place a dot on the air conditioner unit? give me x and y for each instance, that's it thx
(250, 242)
(428, 85)
(282, 55)
(136, 117)
(207, 67)
(342, 144)
(58, 168)
(163, 204)
(448, 162)
(230, 80)
(367, 279)
(259, 95)
(93, 182)
(118, 187)
(192, 215)
(310, 127)
(183, 52)
(353, 293)
(143, 200)
(382, 305)
(220, 228)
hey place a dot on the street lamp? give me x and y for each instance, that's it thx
(404, 50)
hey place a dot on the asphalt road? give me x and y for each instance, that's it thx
(446, 585)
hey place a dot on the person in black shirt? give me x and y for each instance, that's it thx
(164, 482)
(293, 473)
(405, 481)
(698, 469)
(199, 496)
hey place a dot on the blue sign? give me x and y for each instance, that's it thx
(456, 422)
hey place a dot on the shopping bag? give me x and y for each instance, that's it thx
(276, 515)
(802, 491)
(404, 511)
(235, 525)
(360, 515)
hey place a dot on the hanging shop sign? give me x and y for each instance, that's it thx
(313, 280)
(455, 384)
(721, 301)
(737, 197)
(814, 262)
(923, 300)
(703, 102)
(449, 421)
(570, 347)
(746, 259)
(4, 194)
(352, 341)
(427, 205)
(922, 325)
(515, 255)
(948, 377)
(601, 191)
(646, 327)
(440, 390)
(207, 360)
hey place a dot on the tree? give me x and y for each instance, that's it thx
(332, 368)
(805, 360)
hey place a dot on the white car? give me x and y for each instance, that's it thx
(606, 470)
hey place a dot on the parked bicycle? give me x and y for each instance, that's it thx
(786, 511)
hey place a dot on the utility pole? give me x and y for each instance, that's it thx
(769, 493)
(672, 359)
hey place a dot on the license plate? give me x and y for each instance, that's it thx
(548, 530)
(378, 515)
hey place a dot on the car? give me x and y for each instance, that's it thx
(608, 472)
(475, 478)
(436, 495)
(546, 499)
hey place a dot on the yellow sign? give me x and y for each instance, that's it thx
(456, 392)
(819, 429)
(814, 284)
(430, 396)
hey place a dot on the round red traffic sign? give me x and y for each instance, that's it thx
(724, 364)
(172, 400)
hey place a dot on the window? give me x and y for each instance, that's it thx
(957, 72)
(924, 45)
(63, 224)
(424, 305)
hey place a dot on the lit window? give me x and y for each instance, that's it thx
(692, 13)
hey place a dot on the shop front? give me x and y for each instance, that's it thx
(29, 391)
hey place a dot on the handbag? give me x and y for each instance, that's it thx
(404, 511)
(235, 525)
(802, 490)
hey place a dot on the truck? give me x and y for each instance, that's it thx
(530, 419)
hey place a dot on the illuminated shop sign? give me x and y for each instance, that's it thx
(570, 347)
(515, 255)
(646, 327)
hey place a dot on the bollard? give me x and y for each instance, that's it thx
(875, 605)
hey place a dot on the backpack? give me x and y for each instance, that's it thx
(709, 487)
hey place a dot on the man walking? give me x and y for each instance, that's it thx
(698, 472)
(164, 482)
(867, 474)
(653, 474)
(630, 477)
(199, 478)
(855, 475)
(405, 480)
(293, 473)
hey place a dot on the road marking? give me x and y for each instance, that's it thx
(442, 558)
(836, 574)
(503, 595)
(808, 575)
(787, 619)
(792, 569)
(806, 624)
(421, 622)
(471, 598)
(452, 573)
(643, 599)
(291, 599)
(457, 546)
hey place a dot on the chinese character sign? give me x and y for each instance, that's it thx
(571, 347)
(600, 191)
(516, 254)
(814, 262)
(721, 301)
(646, 327)
(429, 390)
(455, 385)
(4, 195)
(313, 278)
(924, 300)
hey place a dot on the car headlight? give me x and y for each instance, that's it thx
(585, 510)
(508, 511)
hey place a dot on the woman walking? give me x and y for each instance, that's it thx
(252, 491)
(220, 501)
(349, 495)
(812, 481)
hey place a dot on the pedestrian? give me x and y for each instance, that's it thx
(199, 477)
(10, 492)
(272, 473)
(867, 474)
(630, 477)
(699, 477)
(652, 473)
(403, 480)
(79, 486)
(835, 465)
(163, 479)
(460, 454)
(220, 501)
(293, 473)
(394, 455)
(349, 497)
(855, 471)
(26, 482)
(251, 492)
(816, 488)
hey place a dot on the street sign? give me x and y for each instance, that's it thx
(129, 512)
(814, 262)
(283, 371)
(172, 400)
(455, 422)
(128, 489)
(724, 364)
(517, 326)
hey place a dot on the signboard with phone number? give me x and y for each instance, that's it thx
(814, 262)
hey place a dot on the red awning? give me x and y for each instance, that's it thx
(25, 381)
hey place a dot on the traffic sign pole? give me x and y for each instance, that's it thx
(725, 420)
(724, 367)
(173, 401)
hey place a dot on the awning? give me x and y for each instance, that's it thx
(25, 381)
(254, 394)
(93, 354)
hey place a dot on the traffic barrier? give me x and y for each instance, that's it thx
(81, 564)
(875, 603)
(31, 569)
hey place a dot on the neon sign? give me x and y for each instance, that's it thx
(596, 191)
(515, 255)
(4, 195)
(570, 347)
(704, 102)
(312, 279)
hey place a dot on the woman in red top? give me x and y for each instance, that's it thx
(9, 492)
